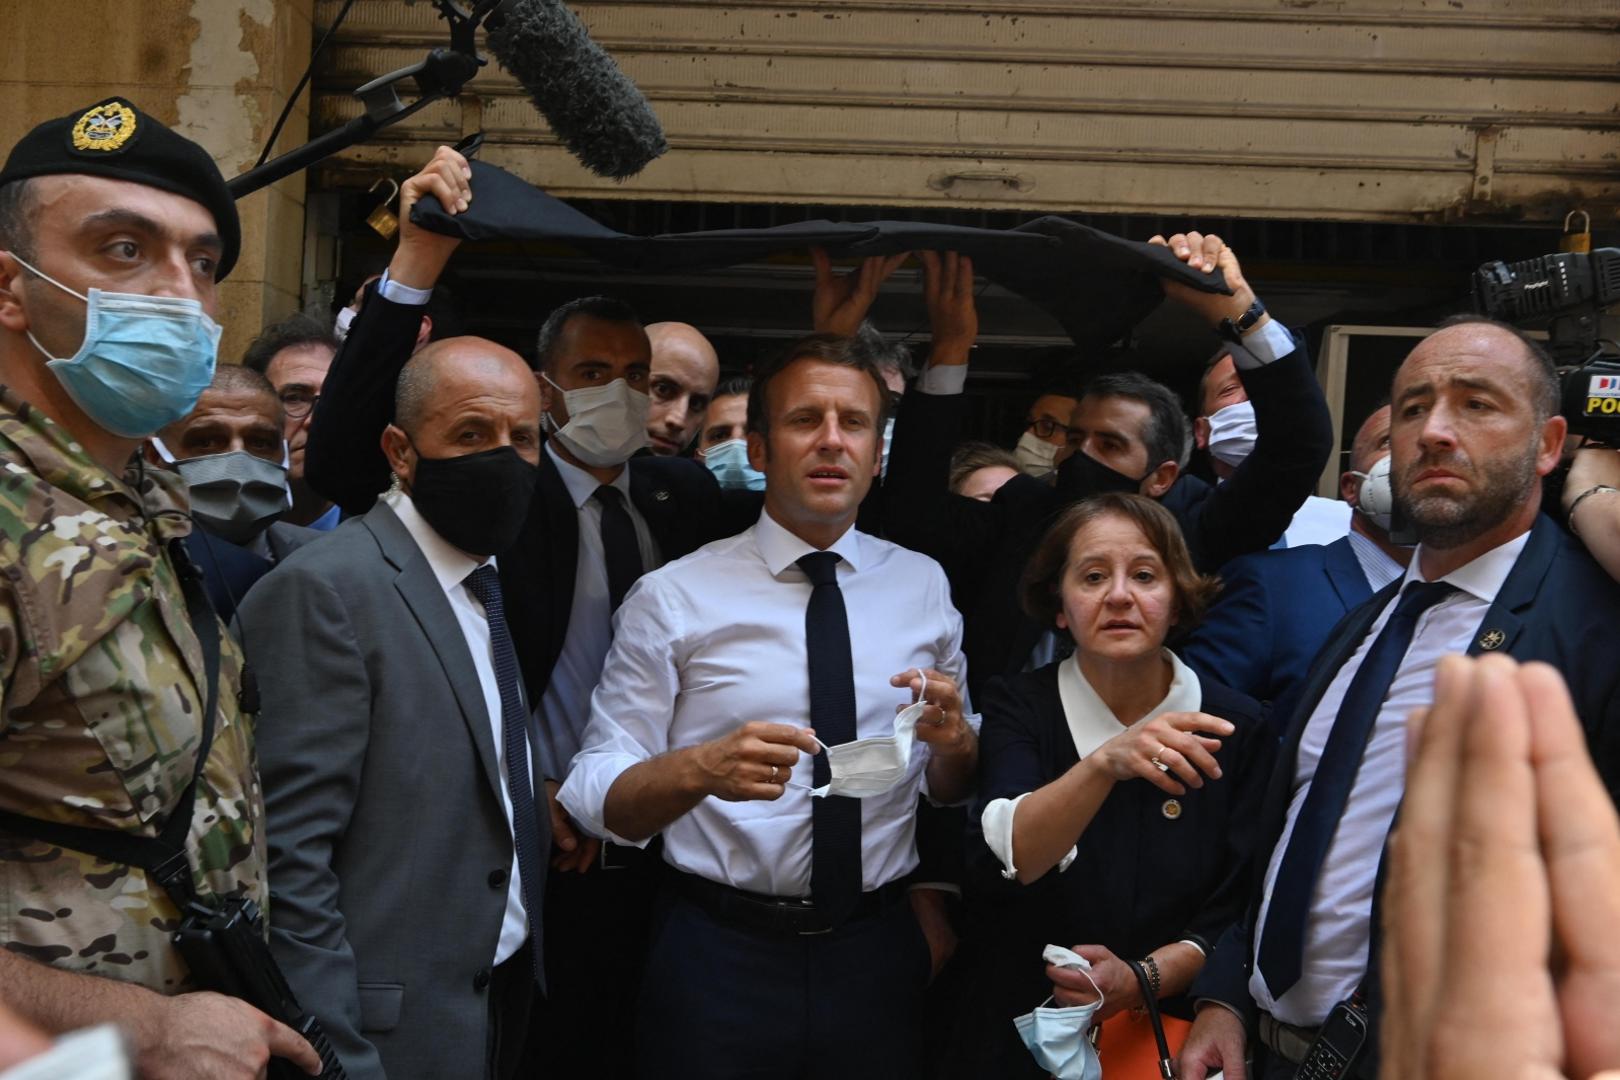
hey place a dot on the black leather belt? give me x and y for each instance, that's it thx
(619, 857)
(785, 915)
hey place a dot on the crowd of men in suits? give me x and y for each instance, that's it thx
(591, 713)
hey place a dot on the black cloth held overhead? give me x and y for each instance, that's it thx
(620, 548)
(1282, 939)
(485, 584)
(835, 821)
(1096, 285)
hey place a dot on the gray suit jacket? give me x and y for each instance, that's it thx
(283, 539)
(389, 851)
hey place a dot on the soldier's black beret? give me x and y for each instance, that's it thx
(116, 139)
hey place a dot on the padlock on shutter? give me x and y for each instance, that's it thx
(381, 219)
(1579, 243)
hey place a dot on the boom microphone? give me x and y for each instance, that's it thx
(597, 112)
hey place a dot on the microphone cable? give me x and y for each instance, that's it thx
(303, 81)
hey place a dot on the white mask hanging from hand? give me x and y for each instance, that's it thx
(862, 768)
(1057, 1037)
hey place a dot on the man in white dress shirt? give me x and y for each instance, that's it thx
(1473, 431)
(783, 943)
(408, 851)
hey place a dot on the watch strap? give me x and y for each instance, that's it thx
(1234, 329)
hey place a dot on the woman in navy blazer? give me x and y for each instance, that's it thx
(1118, 791)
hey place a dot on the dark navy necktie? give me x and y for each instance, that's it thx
(835, 821)
(1282, 939)
(485, 584)
(621, 551)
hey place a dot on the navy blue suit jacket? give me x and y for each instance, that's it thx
(228, 570)
(1276, 610)
(1557, 605)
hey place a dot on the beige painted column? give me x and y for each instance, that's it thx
(219, 71)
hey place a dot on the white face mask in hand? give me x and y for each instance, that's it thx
(866, 767)
(1057, 1037)
(606, 424)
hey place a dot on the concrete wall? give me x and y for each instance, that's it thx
(217, 70)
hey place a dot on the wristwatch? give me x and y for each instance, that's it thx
(1233, 330)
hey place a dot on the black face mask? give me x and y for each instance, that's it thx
(476, 502)
(1082, 476)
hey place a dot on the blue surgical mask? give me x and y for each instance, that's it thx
(144, 362)
(1057, 1038)
(729, 463)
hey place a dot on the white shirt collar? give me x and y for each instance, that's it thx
(1483, 577)
(581, 484)
(781, 549)
(450, 564)
(1092, 722)
(1377, 566)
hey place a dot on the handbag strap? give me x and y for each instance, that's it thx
(1150, 1001)
(163, 857)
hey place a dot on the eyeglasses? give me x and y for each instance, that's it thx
(298, 404)
(1045, 427)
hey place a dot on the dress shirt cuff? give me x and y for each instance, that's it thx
(942, 379)
(389, 289)
(584, 793)
(997, 825)
(936, 886)
(1271, 342)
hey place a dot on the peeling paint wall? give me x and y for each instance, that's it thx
(218, 107)
(217, 70)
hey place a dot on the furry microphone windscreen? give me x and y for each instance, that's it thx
(597, 112)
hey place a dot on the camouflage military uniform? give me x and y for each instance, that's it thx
(101, 685)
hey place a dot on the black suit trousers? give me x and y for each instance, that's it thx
(722, 1002)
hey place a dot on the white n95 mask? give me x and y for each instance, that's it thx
(1376, 499)
(1056, 1038)
(866, 767)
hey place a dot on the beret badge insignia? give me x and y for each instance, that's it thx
(106, 127)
